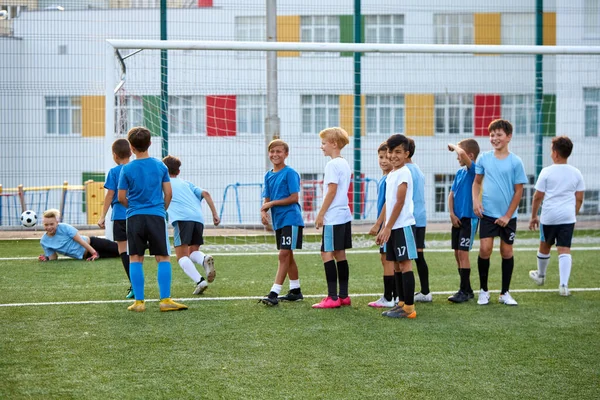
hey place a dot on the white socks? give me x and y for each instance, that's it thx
(276, 288)
(294, 284)
(564, 268)
(198, 257)
(189, 268)
(542, 263)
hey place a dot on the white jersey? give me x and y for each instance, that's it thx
(393, 181)
(337, 171)
(559, 182)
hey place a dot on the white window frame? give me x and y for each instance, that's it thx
(519, 109)
(63, 115)
(145, 3)
(442, 183)
(250, 28)
(187, 115)
(449, 105)
(131, 110)
(384, 28)
(591, 202)
(454, 29)
(591, 106)
(322, 29)
(524, 207)
(385, 114)
(518, 29)
(591, 19)
(319, 112)
(250, 114)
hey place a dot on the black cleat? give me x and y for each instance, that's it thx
(270, 300)
(292, 295)
(459, 297)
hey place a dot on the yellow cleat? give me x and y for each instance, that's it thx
(169, 305)
(138, 306)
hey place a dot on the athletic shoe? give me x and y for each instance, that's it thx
(382, 303)
(345, 301)
(401, 313)
(484, 298)
(536, 277)
(328, 302)
(291, 296)
(396, 308)
(471, 295)
(270, 299)
(200, 287)
(130, 294)
(169, 305)
(209, 267)
(563, 290)
(138, 306)
(507, 299)
(423, 298)
(459, 297)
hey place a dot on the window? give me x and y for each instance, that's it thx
(384, 29)
(320, 29)
(591, 202)
(591, 19)
(319, 112)
(187, 115)
(591, 100)
(520, 110)
(311, 192)
(385, 114)
(250, 28)
(518, 29)
(453, 28)
(251, 114)
(527, 198)
(63, 115)
(442, 186)
(145, 3)
(454, 114)
(129, 112)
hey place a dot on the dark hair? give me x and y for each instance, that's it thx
(411, 147)
(278, 142)
(563, 146)
(382, 147)
(398, 140)
(173, 164)
(121, 148)
(470, 146)
(501, 124)
(139, 137)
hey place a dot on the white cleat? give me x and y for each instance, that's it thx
(209, 267)
(563, 290)
(423, 298)
(537, 278)
(507, 299)
(382, 303)
(201, 287)
(484, 297)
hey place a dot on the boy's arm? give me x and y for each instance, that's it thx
(264, 216)
(461, 154)
(385, 233)
(44, 257)
(514, 203)
(578, 201)
(168, 193)
(331, 191)
(86, 246)
(476, 193)
(377, 225)
(122, 197)
(291, 199)
(107, 200)
(534, 221)
(213, 209)
(453, 218)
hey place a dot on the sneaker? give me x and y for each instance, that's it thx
(169, 305)
(209, 268)
(138, 306)
(270, 299)
(471, 295)
(537, 278)
(292, 296)
(484, 297)
(328, 302)
(423, 298)
(396, 308)
(563, 290)
(345, 301)
(200, 287)
(507, 299)
(382, 303)
(130, 294)
(459, 297)
(401, 314)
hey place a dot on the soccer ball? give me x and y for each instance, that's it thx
(28, 219)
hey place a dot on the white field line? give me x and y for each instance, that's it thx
(317, 296)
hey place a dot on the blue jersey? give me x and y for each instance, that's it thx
(143, 179)
(62, 242)
(112, 183)
(462, 188)
(186, 202)
(418, 178)
(500, 178)
(381, 194)
(280, 185)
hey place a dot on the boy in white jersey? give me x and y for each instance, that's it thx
(399, 231)
(185, 214)
(560, 186)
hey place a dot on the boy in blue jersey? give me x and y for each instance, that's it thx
(280, 192)
(464, 221)
(387, 300)
(420, 214)
(121, 153)
(497, 209)
(145, 190)
(185, 214)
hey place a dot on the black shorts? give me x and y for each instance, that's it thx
(464, 235)
(420, 237)
(402, 245)
(336, 237)
(120, 230)
(289, 237)
(104, 247)
(489, 229)
(188, 233)
(560, 234)
(147, 232)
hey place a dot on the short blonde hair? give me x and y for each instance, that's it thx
(52, 213)
(278, 142)
(335, 134)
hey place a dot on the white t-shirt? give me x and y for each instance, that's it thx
(395, 179)
(337, 171)
(559, 182)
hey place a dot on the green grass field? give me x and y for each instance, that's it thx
(82, 343)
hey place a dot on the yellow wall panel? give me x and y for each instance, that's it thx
(550, 29)
(94, 197)
(92, 116)
(487, 28)
(419, 114)
(347, 114)
(288, 30)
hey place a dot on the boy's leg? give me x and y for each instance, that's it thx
(508, 264)
(136, 247)
(564, 269)
(105, 248)
(136, 271)
(543, 259)
(422, 268)
(331, 274)
(122, 247)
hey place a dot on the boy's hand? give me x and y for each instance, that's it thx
(383, 236)
(534, 223)
(374, 230)
(478, 208)
(264, 218)
(451, 146)
(319, 221)
(43, 258)
(93, 257)
(101, 223)
(502, 221)
(266, 206)
(216, 220)
(455, 220)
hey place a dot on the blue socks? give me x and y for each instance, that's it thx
(164, 279)
(136, 273)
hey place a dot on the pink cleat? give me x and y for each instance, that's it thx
(328, 302)
(345, 302)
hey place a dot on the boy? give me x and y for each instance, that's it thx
(121, 153)
(334, 216)
(561, 188)
(387, 300)
(280, 193)
(61, 238)
(145, 191)
(185, 214)
(420, 214)
(502, 190)
(464, 221)
(399, 231)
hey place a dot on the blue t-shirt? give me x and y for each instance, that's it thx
(280, 185)
(143, 179)
(500, 178)
(462, 187)
(62, 242)
(186, 202)
(381, 194)
(418, 178)
(112, 183)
